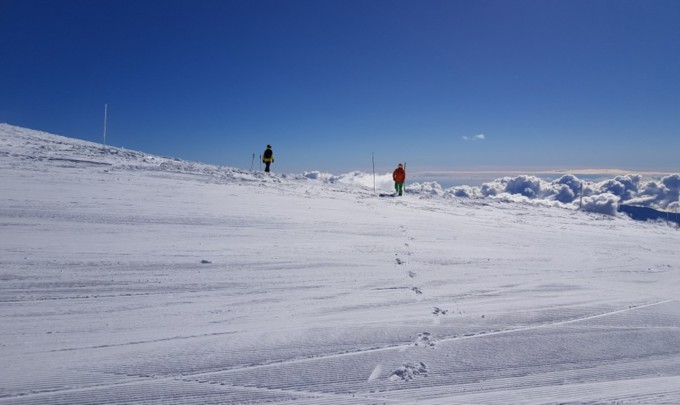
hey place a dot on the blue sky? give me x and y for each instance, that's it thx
(550, 84)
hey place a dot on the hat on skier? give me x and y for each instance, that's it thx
(400, 165)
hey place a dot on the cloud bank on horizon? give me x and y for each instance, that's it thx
(600, 197)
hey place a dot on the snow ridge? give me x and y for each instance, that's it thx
(602, 197)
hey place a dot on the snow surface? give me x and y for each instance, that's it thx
(130, 278)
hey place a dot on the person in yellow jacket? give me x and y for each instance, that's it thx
(268, 158)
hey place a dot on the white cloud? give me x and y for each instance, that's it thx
(478, 137)
(602, 197)
(606, 203)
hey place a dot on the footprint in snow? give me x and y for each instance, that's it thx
(400, 262)
(409, 371)
(425, 339)
(416, 290)
(438, 311)
(411, 274)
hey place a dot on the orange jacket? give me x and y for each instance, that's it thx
(399, 175)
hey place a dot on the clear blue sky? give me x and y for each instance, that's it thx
(549, 83)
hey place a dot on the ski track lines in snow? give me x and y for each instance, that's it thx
(319, 376)
(130, 278)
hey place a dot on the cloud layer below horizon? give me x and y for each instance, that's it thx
(603, 197)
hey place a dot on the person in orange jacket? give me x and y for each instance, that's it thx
(399, 177)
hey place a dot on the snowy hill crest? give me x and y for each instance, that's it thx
(131, 278)
(568, 191)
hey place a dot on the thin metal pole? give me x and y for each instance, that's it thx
(373, 160)
(106, 110)
(580, 204)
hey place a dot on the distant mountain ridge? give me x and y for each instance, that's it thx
(640, 213)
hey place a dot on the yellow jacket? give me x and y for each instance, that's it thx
(268, 156)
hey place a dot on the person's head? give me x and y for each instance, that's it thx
(269, 146)
(400, 165)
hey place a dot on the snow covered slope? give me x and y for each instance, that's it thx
(129, 278)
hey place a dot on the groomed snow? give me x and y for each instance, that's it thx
(130, 278)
